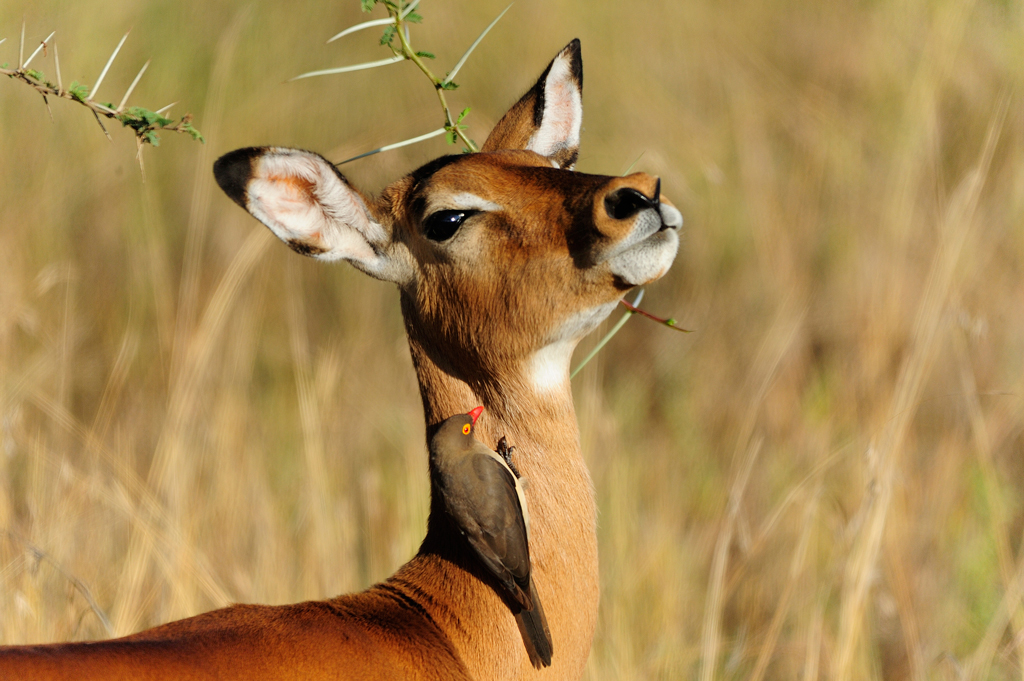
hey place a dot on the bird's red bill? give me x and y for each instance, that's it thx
(475, 413)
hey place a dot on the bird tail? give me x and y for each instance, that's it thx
(533, 627)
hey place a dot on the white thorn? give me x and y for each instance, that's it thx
(110, 61)
(132, 86)
(41, 45)
(408, 10)
(359, 27)
(102, 127)
(165, 109)
(346, 69)
(389, 147)
(472, 47)
(56, 62)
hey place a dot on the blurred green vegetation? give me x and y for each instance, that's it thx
(852, 266)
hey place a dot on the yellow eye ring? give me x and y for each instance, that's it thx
(466, 428)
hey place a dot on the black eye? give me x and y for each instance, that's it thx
(443, 224)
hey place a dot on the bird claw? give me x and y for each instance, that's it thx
(505, 451)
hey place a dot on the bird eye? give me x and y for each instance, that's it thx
(443, 224)
(466, 428)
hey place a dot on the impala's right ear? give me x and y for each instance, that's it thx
(548, 118)
(310, 206)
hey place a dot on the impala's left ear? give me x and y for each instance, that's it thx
(310, 206)
(548, 118)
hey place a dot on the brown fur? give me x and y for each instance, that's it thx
(475, 314)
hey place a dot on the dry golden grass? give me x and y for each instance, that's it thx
(825, 480)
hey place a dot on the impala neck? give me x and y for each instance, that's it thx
(540, 422)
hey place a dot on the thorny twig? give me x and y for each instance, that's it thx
(669, 322)
(400, 15)
(143, 122)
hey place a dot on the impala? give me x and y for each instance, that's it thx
(503, 259)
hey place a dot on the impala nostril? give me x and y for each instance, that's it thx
(626, 202)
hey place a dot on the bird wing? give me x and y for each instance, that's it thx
(497, 531)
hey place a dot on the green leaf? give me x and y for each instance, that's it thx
(146, 116)
(414, 18)
(144, 122)
(32, 73)
(78, 91)
(461, 116)
(389, 34)
(186, 126)
(367, 5)
(426, 55)
(449, 86)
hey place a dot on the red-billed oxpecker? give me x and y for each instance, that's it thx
(484, 497)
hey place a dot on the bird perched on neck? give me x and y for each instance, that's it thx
(484, 497)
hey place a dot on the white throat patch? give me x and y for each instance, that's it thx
(549, 366)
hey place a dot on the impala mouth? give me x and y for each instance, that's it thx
(671, 218)
(649, 251)
(650, 225)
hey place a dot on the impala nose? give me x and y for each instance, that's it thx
(625, 202)
(631, 207)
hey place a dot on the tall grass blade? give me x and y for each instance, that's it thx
(633, 164)
(608, 336)
(773, 350)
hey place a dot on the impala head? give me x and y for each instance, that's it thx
(505, 258)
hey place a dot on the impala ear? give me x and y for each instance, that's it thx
(547, 119)
(310, 206)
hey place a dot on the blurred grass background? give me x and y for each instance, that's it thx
(824, 480)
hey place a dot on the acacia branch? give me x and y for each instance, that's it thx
(143, 122)
(451, 125)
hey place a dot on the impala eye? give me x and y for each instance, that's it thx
(443, 224)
